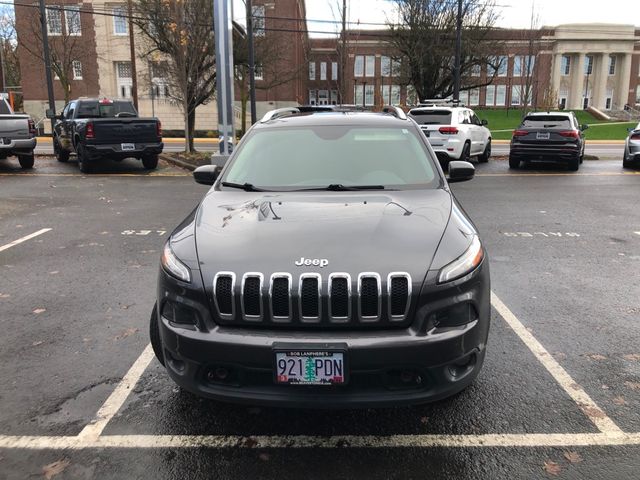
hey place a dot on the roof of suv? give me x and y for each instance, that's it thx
(566, 114)
(307, 116)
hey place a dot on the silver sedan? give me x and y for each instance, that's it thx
(632, 148)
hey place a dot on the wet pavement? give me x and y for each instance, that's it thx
(75, 302)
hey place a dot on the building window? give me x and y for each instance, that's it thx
(369, 93)
(503, 64)
(528, 64)
(334, 70)
(54, 21)
(363, 95)
(391, 94)
(120, 25)
(323, 97)
(638, 95)
(475, 70)
(370, 69)
(358, 66)
(474, 96)
(77, 69)
(313, 99)
(334, 97)
(124, 79)
(562, 98)
(490, 97)
(159, 83)
(517, 66)
(464, 97)
(312, 70)
(516, 91)
(608, 103)
(588, 65)
(72, 18)
(259, 73)
(323, 70)
(501, 95)
(357, 94)
(258, 20)
(612, 64)
(385, 66)
(565, 65)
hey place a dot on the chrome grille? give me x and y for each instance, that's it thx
(367, 300)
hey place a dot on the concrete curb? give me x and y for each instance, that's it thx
(177, 162)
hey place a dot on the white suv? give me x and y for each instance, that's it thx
(455, 133)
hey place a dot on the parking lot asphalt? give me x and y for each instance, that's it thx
(559, 396)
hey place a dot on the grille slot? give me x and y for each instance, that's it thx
(339, 297)
(280, 296)
(252, 296)
(370, 298)
(310, 297)
(223, 288)
(399, 294)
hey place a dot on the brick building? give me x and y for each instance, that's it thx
(581, 64)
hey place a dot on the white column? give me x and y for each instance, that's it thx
(555, 79)
(600, 75)
(577, 82)
(624, 80)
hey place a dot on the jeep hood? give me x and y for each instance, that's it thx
(353, 231)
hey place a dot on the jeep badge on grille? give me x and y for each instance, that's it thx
(316, 262)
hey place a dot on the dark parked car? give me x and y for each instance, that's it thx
(98, 129)
(328, 266)
(548, 136)
(631, 156)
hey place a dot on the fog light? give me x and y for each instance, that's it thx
(455, 316)
(179, 314)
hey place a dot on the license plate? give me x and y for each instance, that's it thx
(302, 367)
(542, 136)
(127, 147)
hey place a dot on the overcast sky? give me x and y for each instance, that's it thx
(514, 13)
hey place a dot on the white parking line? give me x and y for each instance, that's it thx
(575, 391)
(23, 239)
(637, 233)
(525, 440)
(118, 397)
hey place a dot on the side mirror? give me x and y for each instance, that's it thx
(484, 122)
(460, 171)
(584, 127)
(206, 174)
(631, 129)
(51, 115)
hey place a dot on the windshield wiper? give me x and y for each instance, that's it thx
(247, 187)
(338, 187)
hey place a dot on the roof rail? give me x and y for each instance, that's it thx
(440, 102)
(278, 112)
(395, 111)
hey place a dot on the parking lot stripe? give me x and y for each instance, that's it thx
(111, 406)
(524, 440)
(575, 391)
(24, 239)
(95, 175)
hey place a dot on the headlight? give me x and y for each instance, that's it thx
(173, 266)
(464, 264)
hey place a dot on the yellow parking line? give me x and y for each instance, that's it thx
(94, 175)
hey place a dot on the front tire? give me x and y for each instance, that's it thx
(26, 161)
(61, 155)
(154, 335)
(484, 157)
(150, 162)
(514, 163)
(626, 163)
(466, 152)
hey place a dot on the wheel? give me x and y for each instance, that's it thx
(574, 164)
(85, 166)
(26, 161)
(61, 155)
(514, 162)
(484, 157)
(466, 152)
(150, 162)
(154, 335)
(626, 163)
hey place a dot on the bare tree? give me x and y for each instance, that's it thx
(424, 36)
(66, 44)
(9, 49)
(529, 61)
(180, 33)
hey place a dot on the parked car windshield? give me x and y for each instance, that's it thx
(547, 121)
(319, 156)
(105, 110)
(431, 117)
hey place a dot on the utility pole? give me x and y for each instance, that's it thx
(132, 48)
(47, 62)
(252, 62)
(456, 80)
(342, 81)
(222, 26)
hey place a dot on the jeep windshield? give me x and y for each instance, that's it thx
(332, 158)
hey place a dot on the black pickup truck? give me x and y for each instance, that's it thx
(102, 128)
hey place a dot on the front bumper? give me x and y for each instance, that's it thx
(440, 361)
(114, 151)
